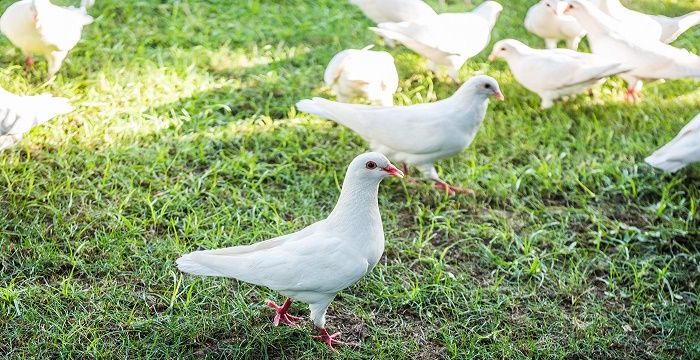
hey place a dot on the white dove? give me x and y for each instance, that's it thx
(681, 151)
(363, 73)
(18, 114)
(546, 19)
(646, 59)
(381, 11)
(314, 264)
(420, 134)
(38, 27)
(659, 27)
(554, 73)
(448, 39)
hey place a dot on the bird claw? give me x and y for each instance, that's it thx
(632, 96)
(281, 313)
(329, 339)
(452, 190)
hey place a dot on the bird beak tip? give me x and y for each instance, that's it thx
(499, 95)
(393, 171)
(492, 57)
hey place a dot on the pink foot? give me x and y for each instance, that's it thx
(632, 96)
(281, 313)
(328, 339)
(452, 190)
(29, 63)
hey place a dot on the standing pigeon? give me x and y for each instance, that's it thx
(663, 28)
(546, 19)
(448, 39)
(554, 73)
(363, 73)
(314, 264)
(420, 134)
(647, 59)
(39, 27)
(381, 11)
(18, 114)
(681, 151)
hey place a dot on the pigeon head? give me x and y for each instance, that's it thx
(482, 85)
(556, 6)
(489, 10)
(506, 49)
(372, 165)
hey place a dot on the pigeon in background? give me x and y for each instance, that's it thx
(363, 73)
(314, 264)
(381, 11)
(420, 134)
(554, 73)
(546, 19)
(448, 39)
(18, 114)
(681, 151)
(646, 59)
(663, 28)
(39, 27)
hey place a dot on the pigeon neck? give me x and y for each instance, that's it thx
(357, 204)
(594, 20)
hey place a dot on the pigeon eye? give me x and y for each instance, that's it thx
(548, 5)
(371, 165)
(503, 49)
(488, 86)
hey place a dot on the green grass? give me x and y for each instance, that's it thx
(185, 137)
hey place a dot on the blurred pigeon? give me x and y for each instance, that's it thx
(647, 59)
(314, 264)
(18, 114)
(381, 11)
(38, 27)
(681, 151)
(363, 73)
(448, 39)
(659, 27)
(554, 73)
(546, 19)
(420, 134)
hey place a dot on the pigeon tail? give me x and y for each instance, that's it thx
(675, 27)
(663, 164)
(188, 263)
(47, 107)
(316, 107)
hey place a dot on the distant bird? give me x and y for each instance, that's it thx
(546, 19)
(554, 73)
(38, 27)
(381, 11)
(681, 151)
(659, 27)
(363, 73)
(420, 134)
(647, 59)
(18, 114)
(448, 39)
(314, 264)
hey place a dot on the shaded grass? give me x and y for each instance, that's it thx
(185, 137)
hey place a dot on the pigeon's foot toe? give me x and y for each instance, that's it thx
(452, 190)
(281, 314)
(329, 339)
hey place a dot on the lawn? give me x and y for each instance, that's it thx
(185, 136)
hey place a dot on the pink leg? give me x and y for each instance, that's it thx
(452, 190)
(29, 63)
(281, 313)
(328, 339)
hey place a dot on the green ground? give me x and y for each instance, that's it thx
(185, 137)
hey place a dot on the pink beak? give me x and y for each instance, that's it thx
(499, 95)
(492, 57)
(393, 171)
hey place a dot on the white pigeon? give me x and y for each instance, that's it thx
(659, 27)
(420, 134)
(448, 39)
(681, 151)
(646, 59)
(314, 264)
(363, 73)
(39, 27)
(381, 11)
(546, 19)
(554, 73)
(18, 114)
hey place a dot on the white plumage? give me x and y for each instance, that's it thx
(659, 27)
(315, 263)
(381, 11)
(448, 39)
(546, 19)
(38, 27)
(363, 73)
(554, 73)
(681, 151)
(647, 59)
(419, 134)
(18, 114)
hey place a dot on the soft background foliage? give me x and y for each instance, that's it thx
(185, 137)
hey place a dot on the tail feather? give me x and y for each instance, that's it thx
(188, 263)
(317, 106)
(663, 164)
(48, 107)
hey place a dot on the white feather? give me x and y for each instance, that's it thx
(684, 149)
(363, 73)
(546, 20)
